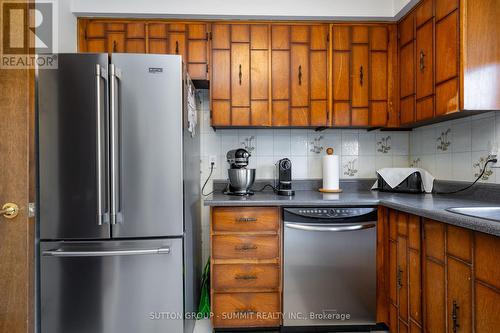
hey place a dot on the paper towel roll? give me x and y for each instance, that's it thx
(331, 172)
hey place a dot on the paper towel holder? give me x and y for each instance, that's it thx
(329, 151)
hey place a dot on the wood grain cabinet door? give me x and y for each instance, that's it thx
(197, 40)
(220, 81)
(240, 74)
(299, 70)
(341, 78)
(280, 75)
(319, 75)
(424, 58)
(360, 82)
(259, 75)
(459, 296)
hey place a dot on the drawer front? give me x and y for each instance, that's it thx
(246, 310)
(245, 219)
(245, 247)
(265, 276)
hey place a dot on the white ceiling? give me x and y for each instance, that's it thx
(245, 9)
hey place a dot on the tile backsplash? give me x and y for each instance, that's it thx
(361, 152)
(457, 149)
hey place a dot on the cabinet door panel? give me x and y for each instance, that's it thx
(459, 242)
(116, 42)
(378, 113)
(197, 51)
(136, 30)
(299, 116)
(259, 74)
(221, 113)
(487, 258)
(341, 114)
(177, 44)
(360, 75)
(459, 295)
(407, 68)
(240, 74)
(341, 38)
(300, 75)
(415, 286)
(403, 278)
(444, 7)
(319, 113)
(359, 34)
(425, 66)
(96, 45)
(220, 83)
(447, 97)
(341, 76)
(378, 76)
(319, 77)
(281, 113)
(425, 108)
(240, 116)
(240, 33)
(378, 38)
(406, 29)
(135, 46)
(96, 29)
(434, 239)
(393, 273)
(280, 67)
(487, 308)
(359, 117)
(424, 12)
(407, 110)
(259, 113)
(319, 37)
(157, 30)
(299, 34)
(158, 46)
(280, 37)
(220, 36)
(447, 48)
(259, 37)
(197, 31)
(435, 297)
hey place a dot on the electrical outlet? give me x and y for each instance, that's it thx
(212, 159)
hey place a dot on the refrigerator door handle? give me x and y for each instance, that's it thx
(100, 74)
(106, 253)
(114, 74)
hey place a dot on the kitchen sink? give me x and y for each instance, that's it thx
(489, 213)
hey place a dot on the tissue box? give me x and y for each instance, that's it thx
(412, 184)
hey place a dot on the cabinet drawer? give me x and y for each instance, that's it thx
(245, 247)
(245, 219)
(246, 310)
(264, 276)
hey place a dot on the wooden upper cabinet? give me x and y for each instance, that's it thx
(280, 75)
(147, 36)
(319, 75)
(259, 73)
(299, 70)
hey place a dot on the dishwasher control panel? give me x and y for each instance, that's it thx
(331, 212)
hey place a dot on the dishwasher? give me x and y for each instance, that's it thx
(330, 268)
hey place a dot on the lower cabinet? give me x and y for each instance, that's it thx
(442, 278)
(246, 267)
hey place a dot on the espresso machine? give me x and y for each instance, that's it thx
(284, 172)
(240, 178)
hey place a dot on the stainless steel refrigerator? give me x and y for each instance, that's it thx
(119, 207)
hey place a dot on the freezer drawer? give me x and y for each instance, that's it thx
(112, 286)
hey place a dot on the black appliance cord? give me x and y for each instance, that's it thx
(494, 160)
(206, 181)
(264, 187)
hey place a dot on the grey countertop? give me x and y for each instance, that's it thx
(431, 206)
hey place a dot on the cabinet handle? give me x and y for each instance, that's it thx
(422, 61)
(240, 75)
(400, 277)
(246, 247)
(114, 46)
(300, 75)
(176, 47)
(361, 75)
(245, 277)
(454, 316)
(247, 219)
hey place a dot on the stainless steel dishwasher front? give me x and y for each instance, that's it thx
(329, 266)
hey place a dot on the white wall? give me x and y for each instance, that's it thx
(311, 9)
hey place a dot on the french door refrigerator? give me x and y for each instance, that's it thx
(118, 173)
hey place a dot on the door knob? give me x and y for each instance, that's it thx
(9, 210)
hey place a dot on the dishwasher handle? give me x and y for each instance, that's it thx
(105, 253)
(336, 227)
